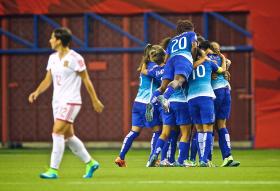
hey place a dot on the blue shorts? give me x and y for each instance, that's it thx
(202, 110)
(177, 65)
(178, 114)
(138, 116)
(222, 103)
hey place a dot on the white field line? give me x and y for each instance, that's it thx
(226, 182)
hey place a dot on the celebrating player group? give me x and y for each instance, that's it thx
(184, 91)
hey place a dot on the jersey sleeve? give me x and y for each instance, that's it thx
(151, 68)
(193, 37)
(78, 64)
(168, 49)
(216, 68)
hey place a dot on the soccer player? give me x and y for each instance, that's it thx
(178, 115)
(222, 105)
(66, 70)
(201, 105)
(179, 65)
(150, 73)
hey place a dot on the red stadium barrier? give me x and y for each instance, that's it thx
(263, 23)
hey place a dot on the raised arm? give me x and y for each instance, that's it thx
(96, 103)
(44, 85)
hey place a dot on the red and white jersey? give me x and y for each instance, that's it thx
(66, 81)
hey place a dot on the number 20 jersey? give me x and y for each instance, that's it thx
(182, 45)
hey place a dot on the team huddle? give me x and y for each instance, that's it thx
(183, 91)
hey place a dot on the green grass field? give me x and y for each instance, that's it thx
(20, 169)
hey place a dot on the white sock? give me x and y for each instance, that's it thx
(201, 143)
(78, 148)
(57, 151)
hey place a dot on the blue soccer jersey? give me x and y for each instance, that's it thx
(156, 72)
(220, 82)
(182, 45)
(147, 85)
(200, 81)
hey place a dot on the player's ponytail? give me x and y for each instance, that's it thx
(145, 57)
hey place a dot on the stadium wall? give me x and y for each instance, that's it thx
(263, 18)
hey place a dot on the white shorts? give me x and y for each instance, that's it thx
(66, 111)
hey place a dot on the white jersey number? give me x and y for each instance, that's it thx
(182, 44)
(199, 72)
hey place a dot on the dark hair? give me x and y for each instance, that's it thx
(213, 48)
(145, 57)
(158, 54)
(164, 42)
(200, 38)
(198, 55)
(184, 26)
(205, 45)
(63, 34)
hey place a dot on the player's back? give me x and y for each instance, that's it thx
(181, 45)
(146, 86)
(200, 81)
(220, 82)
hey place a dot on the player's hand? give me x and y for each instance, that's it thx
(98, 106)
(33, 96)
(227, 75)
(214, 76)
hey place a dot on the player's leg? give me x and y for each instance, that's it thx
(194, 148)
(59, 129)
(154, 98)
(127, 142)
(78, 148)
(174, 134)
(222, 111)
(138, 122)
(169, 149)
(156, 125)
(182, 70)
(225, 146)
(156, 133)
(159, 145)
(184, 144)
(207, 143)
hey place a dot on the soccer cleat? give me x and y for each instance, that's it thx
(149, 114)
(234, 164)
(227, 161)
(50, 174)
(165, 163)
(152, 162)
(211, 164)
(203, 164)
(91, 167)
(190, 163)
(164, 103)
(177, 164)
(120, 162)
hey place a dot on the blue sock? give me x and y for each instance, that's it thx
(224, 142)
(155, 95)
(212, 148)
(183, 151)
(154, 141)
(127, 142)
(173, 145)
(159, 146)
(208, 143)
(165, 149)
(168, 92)
(194, 147)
